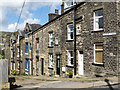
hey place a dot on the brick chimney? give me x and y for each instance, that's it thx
(62, 7)
(53, 15)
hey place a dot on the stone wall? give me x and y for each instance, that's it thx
(3, 70)
(85, 41)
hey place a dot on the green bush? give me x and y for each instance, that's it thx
(70, 73)
(17, 73)
(51, 74)
(14, 72)
(23, 74)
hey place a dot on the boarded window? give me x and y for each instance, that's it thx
(98, 54)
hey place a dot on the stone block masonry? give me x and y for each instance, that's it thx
(4, 74)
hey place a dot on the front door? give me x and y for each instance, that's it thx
(21, 66)
(42, 66)
(80, 63)
(58, 65)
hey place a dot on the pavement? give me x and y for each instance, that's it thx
(34, 82)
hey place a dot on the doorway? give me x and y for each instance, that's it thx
(42, 66)
(58, 65)
(80, 63)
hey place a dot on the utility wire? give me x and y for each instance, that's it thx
(20, 15)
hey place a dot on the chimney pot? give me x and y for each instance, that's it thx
(56, 11)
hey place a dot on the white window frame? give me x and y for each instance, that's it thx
(11, 66)
(56, 40)
(50, 39)
(69, 32)
(95, 54)
(66, 6)
(37, 63)
(51, 60)
(78, 25)
(37, 44)
(11, 53)
(97, 17)
(69, 58)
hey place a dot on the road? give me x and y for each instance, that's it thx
(33, 83)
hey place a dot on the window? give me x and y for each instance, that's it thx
(26, 47)
(70, 32)
(27, 64)
(98, 54)
(50, 39)
(98, 20)
(18, 64)
(11, 53)
(37, 58)
(70, 58)
(78, 29)
(37, 40)
(56, 40)
(68, 3)
(50, 60)
(11, 66)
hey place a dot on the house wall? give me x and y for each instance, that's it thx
(85, 41)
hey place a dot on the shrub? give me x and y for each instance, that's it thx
(70, 73)
(23, 74)
(14, 72)
(17, 73)
(51, 74)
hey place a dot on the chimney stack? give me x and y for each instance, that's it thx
(56, 11)
(62, 7)
(53, 15)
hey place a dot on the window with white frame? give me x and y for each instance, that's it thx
(11, 65)
(11, 53)
(56, 40)
(70, 31)
(70, 57)
(37, 40)
(37, 59)
(68, 3)
(78, 29)
(51, 60)
(98, 54)
(98, 20)
(18, 64)
(50, 39)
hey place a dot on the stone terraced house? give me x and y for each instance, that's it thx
(84, 39)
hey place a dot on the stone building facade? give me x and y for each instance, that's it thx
(84, 39)
(96, 45)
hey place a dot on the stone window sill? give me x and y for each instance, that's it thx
(70, 66)
(97, 64)
(50, 46)
(50, 68)
(69, 40)
(97, 31)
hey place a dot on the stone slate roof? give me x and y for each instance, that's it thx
(34, 26)
(21, 33)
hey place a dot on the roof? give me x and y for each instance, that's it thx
(75, 6)
(21, 33)
(34, 26)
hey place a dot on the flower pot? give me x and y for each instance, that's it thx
(70, 76)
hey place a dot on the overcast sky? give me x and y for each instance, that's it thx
(33, 12)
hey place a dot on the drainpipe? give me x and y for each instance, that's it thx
(32, 55)
(74, 41)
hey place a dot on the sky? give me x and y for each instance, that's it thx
(34, 12)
